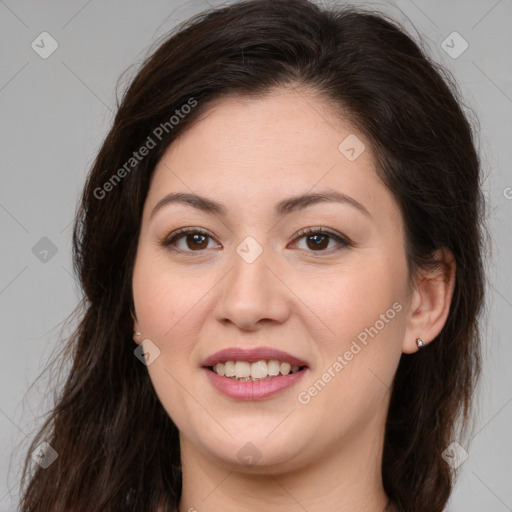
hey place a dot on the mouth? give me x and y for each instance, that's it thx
(253, 374)
(257, 371)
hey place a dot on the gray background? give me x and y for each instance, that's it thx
(55, 114)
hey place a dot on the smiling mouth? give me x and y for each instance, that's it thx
(258, 371)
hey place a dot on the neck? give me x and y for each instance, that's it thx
(346, 478)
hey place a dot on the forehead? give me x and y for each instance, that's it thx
(256, 150)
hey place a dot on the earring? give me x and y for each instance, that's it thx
(136, 334)
(420, 343)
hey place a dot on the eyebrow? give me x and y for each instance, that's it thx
(284, 207)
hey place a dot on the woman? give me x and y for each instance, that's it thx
(286, 218)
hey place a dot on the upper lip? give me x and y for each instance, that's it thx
(251, 355)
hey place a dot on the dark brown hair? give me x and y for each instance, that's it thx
(117, 447)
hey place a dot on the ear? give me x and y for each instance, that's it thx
(430, 303)
(136, 328)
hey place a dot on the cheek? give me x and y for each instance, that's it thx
(359, 357)
(160, 303)
(163, 301)
(163, 295)
(353, 298)
(363, 309)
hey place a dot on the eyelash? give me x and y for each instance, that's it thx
(341, 240)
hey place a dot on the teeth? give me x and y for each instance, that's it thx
(273, 367)
(229, 368)
(285, 368)
(260, 370)
(220, 369)
(242, 369)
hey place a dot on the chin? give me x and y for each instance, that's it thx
(257, 453)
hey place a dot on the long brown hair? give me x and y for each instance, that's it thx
(117, 447)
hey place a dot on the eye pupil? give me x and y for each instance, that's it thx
(318, 240)
(199, 244)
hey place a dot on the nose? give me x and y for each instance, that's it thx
(253, 294)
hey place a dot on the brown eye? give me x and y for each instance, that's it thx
(318, 240)
(195, 240)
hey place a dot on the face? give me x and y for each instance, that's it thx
(247, 277)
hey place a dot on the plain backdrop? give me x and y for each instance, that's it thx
(56, 110)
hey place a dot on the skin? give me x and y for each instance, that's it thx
(249, 154)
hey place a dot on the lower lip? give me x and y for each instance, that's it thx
(253, 390)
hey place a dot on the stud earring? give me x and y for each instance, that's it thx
(420, 343)
(136, 334)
